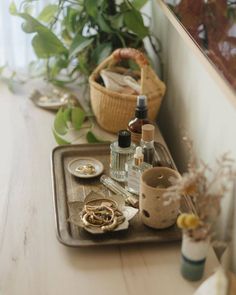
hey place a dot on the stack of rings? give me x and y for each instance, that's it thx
(87, 169)
(104, 215)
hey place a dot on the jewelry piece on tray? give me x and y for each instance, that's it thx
(87, 169)
(99, 214)
(106, 215)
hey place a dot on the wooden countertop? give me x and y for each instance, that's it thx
(32, 261)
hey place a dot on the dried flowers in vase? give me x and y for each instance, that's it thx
(201, 189)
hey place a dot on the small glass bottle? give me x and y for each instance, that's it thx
(141, 113)
(135, 167)
(147, 144)
(121, 151)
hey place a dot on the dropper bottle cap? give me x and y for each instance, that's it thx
(141, 109)
(148, 132)
(138, 156)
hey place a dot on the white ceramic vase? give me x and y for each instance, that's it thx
(193, 258)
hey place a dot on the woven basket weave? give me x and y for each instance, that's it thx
(113, 110)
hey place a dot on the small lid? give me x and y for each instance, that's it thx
(148, 132)
(124, 138)
(141, 101)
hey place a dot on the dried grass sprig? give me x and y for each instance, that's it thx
(201, 189)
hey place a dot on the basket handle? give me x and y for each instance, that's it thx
(130, 53)
(123, 53)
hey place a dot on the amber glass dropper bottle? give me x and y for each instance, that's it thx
(141, 113)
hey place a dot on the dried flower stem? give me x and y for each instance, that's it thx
(190, 205)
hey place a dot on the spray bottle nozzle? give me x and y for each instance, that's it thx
(142, 101)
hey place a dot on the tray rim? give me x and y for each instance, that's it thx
(76, 243)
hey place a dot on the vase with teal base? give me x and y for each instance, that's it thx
(193, 257)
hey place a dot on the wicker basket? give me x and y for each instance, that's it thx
(114, 110)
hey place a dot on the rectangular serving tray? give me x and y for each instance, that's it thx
(68, 188)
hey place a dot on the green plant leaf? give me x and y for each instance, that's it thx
(134, 21)
(91, 7)
(12, 8)
(91, 138)
(138, 4)
(101, 52)
(84, 65)
(44, 46)
(103, 24)
(78, 44)
(70, 19)
(60, 125)
(57, 64)
(117, 21)
(77, 117)
(46, 42)
(59, 139)
(31, 25)
(66, 37)
(28, 8)
(54, 71)
(62, 63)
(67, 114)
(48, 13)
(105, 52)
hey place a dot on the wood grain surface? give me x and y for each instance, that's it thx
(32, 261)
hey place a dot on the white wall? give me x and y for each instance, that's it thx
(195, 105)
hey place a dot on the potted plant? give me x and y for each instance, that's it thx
(72, 37)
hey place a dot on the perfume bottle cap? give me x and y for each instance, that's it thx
(148, 132)
(141, 109)
(124, 138)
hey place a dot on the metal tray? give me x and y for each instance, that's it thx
(68, 188)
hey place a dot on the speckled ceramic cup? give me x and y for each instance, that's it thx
(154, 211)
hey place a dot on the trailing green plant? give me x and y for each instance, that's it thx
(73, 121)
(74, 36)
(71, 37)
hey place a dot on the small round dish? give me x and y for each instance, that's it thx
(85, 167)
(53, 99)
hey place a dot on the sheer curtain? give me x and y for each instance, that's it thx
(15, 48)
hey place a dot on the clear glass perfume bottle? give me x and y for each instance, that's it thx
(122, 150)
(147, 144)
(134, 168)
